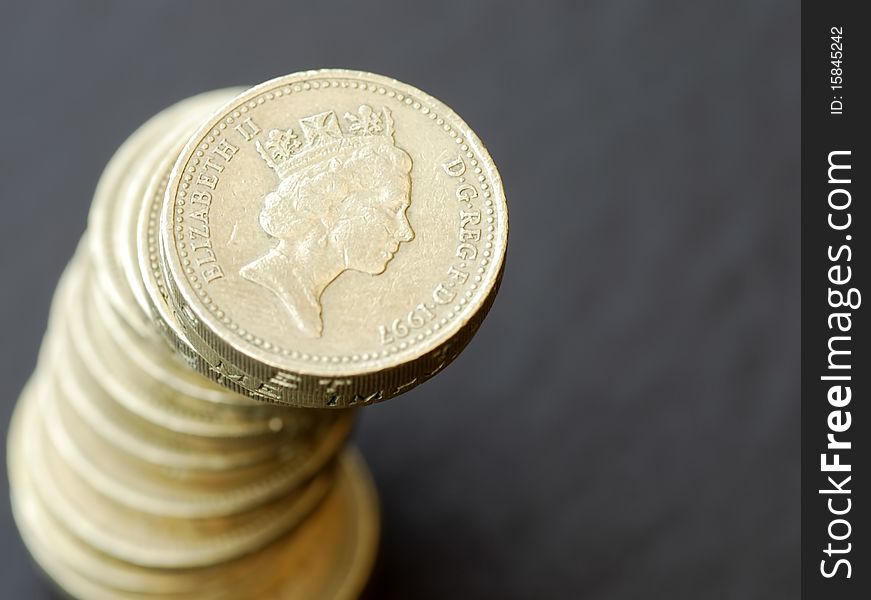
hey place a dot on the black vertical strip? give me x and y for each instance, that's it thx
(836, 561)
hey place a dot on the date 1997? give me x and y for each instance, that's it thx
(836, 78)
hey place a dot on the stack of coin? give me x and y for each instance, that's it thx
(256, 264)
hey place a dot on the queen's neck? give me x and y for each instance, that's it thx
(298, 275)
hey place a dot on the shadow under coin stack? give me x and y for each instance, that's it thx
(156, 452)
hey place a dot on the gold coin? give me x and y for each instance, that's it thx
(77, 379)
(205, 361)
(81, 398)
(150, 264)
(119, 195)
(183, 494)
(157, 540)
(106, 240)
(329, 555)
(196, 110)
(144, 382)
(296, 454)
(334, 238)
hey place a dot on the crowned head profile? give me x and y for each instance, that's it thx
(340, 205)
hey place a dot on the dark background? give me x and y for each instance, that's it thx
(626, 423)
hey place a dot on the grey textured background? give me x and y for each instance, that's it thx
(625, 425)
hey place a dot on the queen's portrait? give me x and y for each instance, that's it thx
(340, 205)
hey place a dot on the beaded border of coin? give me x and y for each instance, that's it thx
(153, 235)
(315, 84)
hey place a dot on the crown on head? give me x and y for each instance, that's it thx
(285, 153)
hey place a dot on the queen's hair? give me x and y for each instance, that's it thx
(316, 198)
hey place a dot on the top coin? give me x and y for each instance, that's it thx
(333, 238)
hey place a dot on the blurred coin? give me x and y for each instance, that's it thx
(198, 363)
(196, 110)
(182, 494)
(126, 367)
(158, 541)
(329, 555)
(105, 251)
(84, 391)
